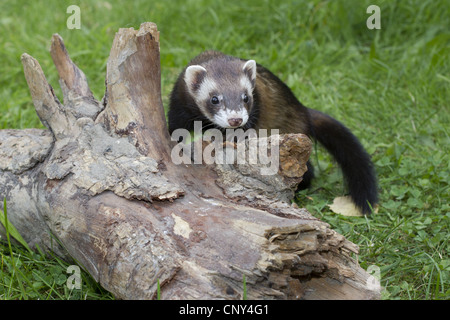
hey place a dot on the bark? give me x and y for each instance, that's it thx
(99, 186)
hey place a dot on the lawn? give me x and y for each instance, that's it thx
(390, 86)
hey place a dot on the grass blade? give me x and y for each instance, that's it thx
(5, 222)
(10, 229)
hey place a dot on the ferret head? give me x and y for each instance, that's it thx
(222, 89)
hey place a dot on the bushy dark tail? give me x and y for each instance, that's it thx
(348, 152)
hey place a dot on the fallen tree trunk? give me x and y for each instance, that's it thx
(102, 182)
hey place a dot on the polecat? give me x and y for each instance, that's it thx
(227, 92)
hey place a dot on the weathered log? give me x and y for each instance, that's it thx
(102, 182)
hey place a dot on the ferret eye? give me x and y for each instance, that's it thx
(245, 98)
(215, 100)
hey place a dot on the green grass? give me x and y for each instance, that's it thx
(390, 86)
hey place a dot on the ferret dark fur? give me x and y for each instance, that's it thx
(270, 105)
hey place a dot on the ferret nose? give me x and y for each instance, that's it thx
(235, 122)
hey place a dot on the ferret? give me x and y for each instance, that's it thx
(225, 92)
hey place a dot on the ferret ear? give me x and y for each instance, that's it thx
(250, 70)
(194, 76)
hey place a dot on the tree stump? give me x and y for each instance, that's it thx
(100, 180)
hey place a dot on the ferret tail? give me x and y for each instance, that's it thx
(348, 152)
